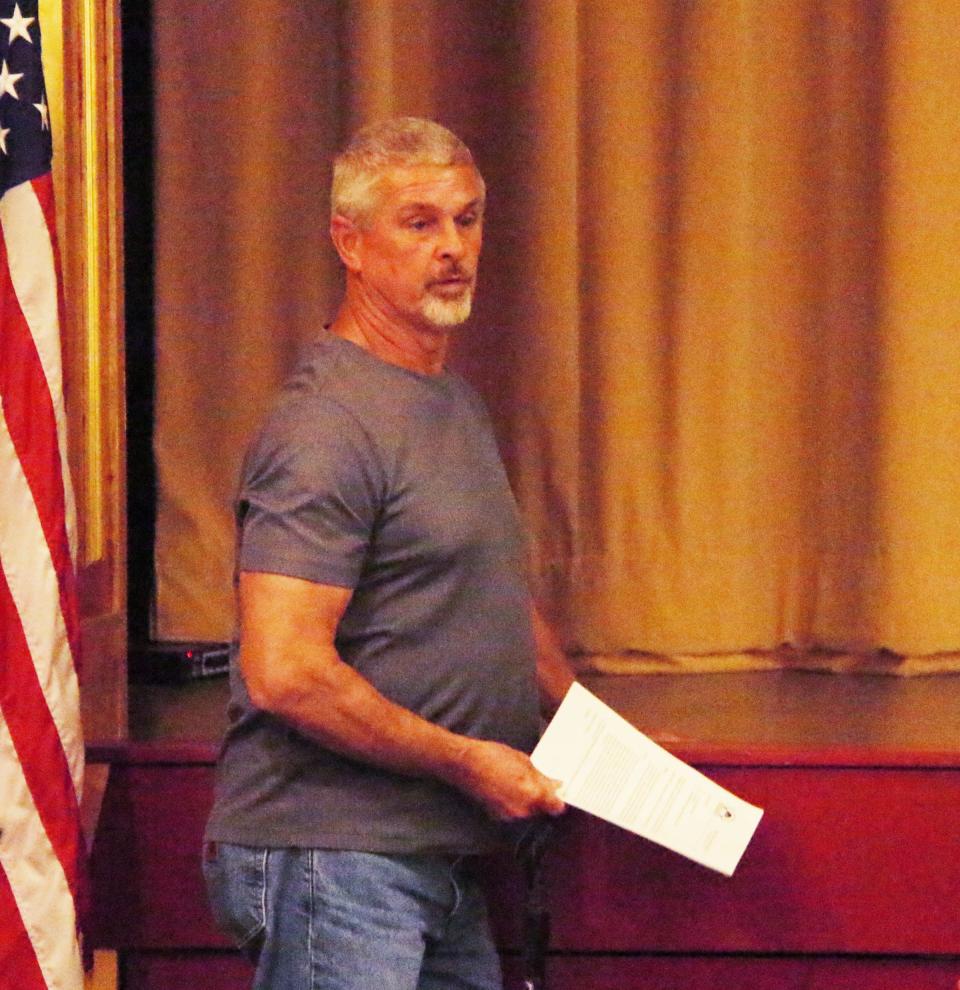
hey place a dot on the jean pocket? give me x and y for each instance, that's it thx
(236, 879)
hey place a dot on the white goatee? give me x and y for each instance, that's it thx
(447, 312)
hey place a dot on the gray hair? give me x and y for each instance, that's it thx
(400, 141)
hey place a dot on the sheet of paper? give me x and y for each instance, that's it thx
(612, 770)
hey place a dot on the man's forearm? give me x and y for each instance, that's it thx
(330, 702)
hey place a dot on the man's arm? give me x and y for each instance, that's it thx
(554, 673)
(292, 669)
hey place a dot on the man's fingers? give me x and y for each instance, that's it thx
(556, 805)
(518, 790)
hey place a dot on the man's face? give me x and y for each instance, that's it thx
(419, 249)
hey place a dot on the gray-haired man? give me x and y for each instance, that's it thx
(384, 687)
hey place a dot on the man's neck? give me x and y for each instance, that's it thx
(420, 348)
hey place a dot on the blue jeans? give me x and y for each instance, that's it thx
(317, 919)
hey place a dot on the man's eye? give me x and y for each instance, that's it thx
(418, 224)
(468, 219)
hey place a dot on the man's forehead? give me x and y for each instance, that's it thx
(431, 185)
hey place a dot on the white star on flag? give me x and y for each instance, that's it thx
(44, 112)
(18, 25)
(9, 80)
(4, 131)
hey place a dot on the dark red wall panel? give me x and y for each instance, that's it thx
(850, 868)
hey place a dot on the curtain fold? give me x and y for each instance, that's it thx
(717, 322)
(919, 330)
(243, 267)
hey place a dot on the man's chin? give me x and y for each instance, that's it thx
(447, 312)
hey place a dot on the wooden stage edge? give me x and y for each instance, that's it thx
(769, 718)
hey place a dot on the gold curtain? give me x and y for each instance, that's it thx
(718, 319)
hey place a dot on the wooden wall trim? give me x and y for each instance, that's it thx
(81, 47)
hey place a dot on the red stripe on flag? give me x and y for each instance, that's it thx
(43, 190)
(28, 409)
(37, 742)
(17, 958)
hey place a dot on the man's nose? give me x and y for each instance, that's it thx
(450, 242)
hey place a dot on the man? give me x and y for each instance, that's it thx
(384, 692)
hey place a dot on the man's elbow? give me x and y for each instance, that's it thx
(272, 683)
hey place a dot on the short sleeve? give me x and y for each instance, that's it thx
(309, 496)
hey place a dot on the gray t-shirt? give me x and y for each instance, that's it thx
(371, 477)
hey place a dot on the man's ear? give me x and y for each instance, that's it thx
(346, 237)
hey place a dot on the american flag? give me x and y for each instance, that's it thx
(41, 743)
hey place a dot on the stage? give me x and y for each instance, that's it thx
(851, 881)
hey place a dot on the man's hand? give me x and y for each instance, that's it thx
(506, 783)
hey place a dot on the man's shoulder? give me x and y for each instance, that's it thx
(324, 383)
(321, 366)
(305, 423)
(336, 371)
